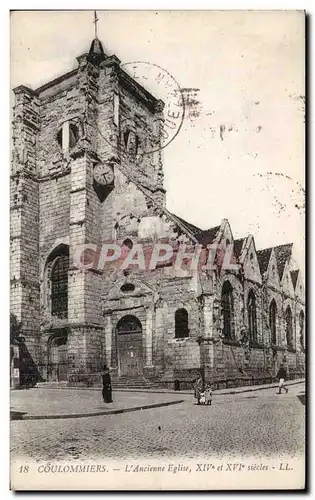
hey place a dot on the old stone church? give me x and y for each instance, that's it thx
(76, 178)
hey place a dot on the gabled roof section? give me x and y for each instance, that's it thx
(283, 254)
(190, 227)
(206, 237)
(248, 259)
(294, 277)
(263, 257)
(238, 245)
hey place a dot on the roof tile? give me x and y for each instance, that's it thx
(208, 236)
(283, 254)
(263, 257)
(294, 277)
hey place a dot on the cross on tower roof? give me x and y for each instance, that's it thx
(96, 53)
(95, 23)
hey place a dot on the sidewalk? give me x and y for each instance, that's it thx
(148, 390)
(54, 403)
(232, 390)
(38, 404)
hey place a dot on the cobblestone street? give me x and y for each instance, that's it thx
(258, 423)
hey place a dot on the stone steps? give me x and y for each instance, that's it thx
(52, 384)
(131, 383)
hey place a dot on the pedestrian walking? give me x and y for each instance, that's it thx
(107, 386)
(282, 375)
(198, 387)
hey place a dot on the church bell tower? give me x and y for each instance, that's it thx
(86, 156)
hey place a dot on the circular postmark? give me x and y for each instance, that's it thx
(135, 134)
(164, 87)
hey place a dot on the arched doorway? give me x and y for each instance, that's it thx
(129, 346)
(57, 369)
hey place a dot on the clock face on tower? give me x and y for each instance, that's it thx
(103, 174)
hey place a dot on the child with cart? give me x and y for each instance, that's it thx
(205, 396)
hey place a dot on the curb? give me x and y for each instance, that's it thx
(238, 390)
(250, 388)
(94, 414)
(259, 388)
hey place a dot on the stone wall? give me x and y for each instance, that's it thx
(54, 213)
(24, 207)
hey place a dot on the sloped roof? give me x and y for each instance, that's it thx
(193, 229)
(294, 277)
(238, 244)
(204, 236)
(207, 236)
(283, 254)
(263, 257)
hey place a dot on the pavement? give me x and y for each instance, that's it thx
(55, 403)
(236, 390)
(257, 423)
(39, 404)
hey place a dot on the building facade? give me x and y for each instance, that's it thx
(87, 169)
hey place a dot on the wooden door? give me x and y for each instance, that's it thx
(129, 347)
(63, 362)
(130, 354)
(57, 357)
(53, 363)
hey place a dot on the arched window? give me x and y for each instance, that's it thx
(273, 321)
(137, 144)
(252, 316)
(68, 135)
(289, 326)
(59, 286)
(128, 324)
(181, 324)
(227, 310)
(73, 135)
(301, 325)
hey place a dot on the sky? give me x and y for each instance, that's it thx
(240, 152)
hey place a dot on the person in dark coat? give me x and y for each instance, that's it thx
(198, 387)
(282, 375)
(107, 386)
